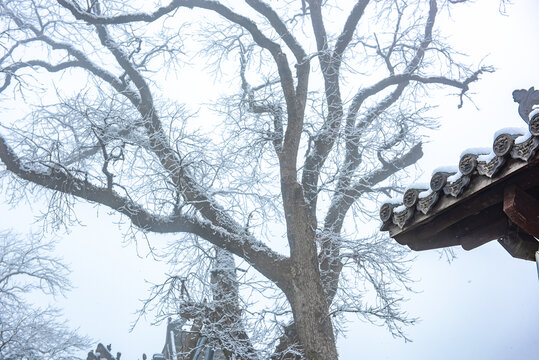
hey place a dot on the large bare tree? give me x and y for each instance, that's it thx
(321, 107)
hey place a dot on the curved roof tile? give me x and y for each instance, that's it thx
(512, 148)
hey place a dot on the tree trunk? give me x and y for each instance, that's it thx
(305, 291)
(311, 314)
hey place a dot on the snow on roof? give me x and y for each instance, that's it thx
(523, 138)
(521, 149)
(424, 194)
(418, 186)
(476, 151)
(394, 201)
(516, 131)
(486, 157)
(454, 177)
(451, 169)
(533, 113)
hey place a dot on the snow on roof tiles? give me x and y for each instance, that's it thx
(510, 145)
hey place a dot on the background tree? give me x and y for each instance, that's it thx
(28, 332)
(325, 101)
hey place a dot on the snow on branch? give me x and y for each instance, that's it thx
(60, 179)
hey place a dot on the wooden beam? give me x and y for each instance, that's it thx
(471, 232)
(484, 234)
(486, 193)
(522, 209)
(519, 244)
(481, 193)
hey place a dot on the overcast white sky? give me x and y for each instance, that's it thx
(484, 305)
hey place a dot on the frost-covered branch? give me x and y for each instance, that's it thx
(10, 71)
(60, 179)
(81, 14)
(28, 332)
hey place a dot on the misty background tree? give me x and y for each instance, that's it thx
(320, 107)
(30, 332)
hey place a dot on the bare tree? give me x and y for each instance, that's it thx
(324, 105)
(28, 332)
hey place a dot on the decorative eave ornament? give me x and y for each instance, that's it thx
(492, 194)
(526, 100)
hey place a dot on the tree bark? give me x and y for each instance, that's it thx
(305, 291)
(311, 314)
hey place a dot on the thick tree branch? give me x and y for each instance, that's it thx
(93, 68)
(166, 155)
(123, 60)
(427, 39)
(279, 26)
(9, 71)
(320, 33)
(92, 18)
(82, 58)
(261, 257)
(219, 220)
(323, 140)
(348, 31)
(330, 64)
(343, 200)
(278, 55)
(257, 107)
(347, 193)
(330, 264)
(399, 79)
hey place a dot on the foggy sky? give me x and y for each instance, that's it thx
(484, 305)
